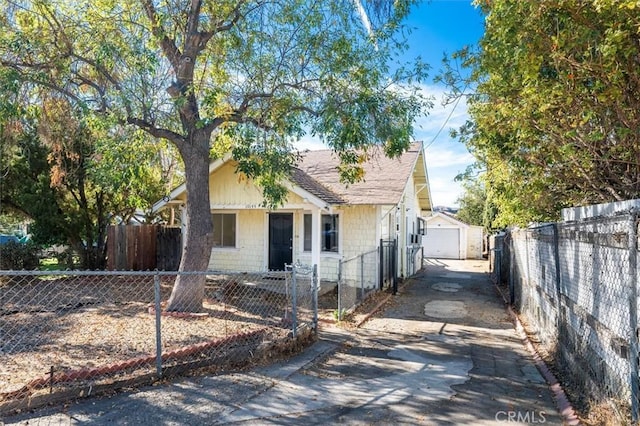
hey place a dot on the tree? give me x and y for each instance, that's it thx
(555, 115)
(200, 73)
(70, 179)
(475, 207)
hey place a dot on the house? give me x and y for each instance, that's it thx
(450, 238)
(322, 220)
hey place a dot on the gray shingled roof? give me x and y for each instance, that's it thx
(384, 180)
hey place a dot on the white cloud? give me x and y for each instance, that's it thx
(445, 191)
(312, 143)
(438, 157)
(445, 157)
(441, 118)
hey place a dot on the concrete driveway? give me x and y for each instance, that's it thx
(443, 352)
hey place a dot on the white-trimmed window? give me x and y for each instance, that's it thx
(307, 232)
(224, 230)
(329, 233)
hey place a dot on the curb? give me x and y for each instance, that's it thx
(563, 404)
(373, 311)
(122, 366)
(382, 302)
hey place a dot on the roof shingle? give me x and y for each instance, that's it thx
(384, 180)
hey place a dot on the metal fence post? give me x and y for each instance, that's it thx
(633, 313)
(512, 269)
(315, 282)
(528, 281)
(498, 259)
(339, 316)
(158, 307)
(381, 265)
(394, 266)
(556, 255)
(379, 269)
(294, 313)
(362, 276)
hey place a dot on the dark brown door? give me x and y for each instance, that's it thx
(280, 240)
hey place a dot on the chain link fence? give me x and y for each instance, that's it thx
(358, 277)
(70, 334)
(575, 287)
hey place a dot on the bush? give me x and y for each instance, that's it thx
(66, 259)
(19, 256)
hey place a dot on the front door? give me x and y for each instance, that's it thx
(280, 240)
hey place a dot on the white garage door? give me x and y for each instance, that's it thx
(442, 243)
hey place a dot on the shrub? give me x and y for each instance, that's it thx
(19, 256)
(66, 259)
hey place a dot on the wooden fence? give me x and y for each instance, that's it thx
(143, 248)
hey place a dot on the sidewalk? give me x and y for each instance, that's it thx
(443, 352)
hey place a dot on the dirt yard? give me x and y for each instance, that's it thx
(81, 323)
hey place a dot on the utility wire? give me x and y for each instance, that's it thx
(446, 120)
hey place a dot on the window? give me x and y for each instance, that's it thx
(224, 230)
(422, 226)
(307, 232)
(328, 233)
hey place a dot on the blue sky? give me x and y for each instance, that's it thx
(438, 27)
(443, 26)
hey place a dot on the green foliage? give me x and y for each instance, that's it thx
(19, 256)
(267, 159)
(339, 315)
(71, 179)
(555, 113)
(207, 75)
(283, 67)
(475, 207)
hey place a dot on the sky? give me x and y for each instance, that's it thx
(439, 27)
(443, 26)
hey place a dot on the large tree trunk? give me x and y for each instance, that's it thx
(188, 290)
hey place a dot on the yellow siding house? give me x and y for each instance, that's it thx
(322, 220)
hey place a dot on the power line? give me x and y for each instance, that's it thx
(446, 120)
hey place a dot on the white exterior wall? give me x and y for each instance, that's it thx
(358, 229)
(387, 222)
(439, 222)
(475, 237)
(409, 225)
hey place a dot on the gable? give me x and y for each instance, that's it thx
(439, 219)
(385, 179)
(226, 188)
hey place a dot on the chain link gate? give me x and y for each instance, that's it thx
(357, 279)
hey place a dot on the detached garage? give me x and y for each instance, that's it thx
(450, 238)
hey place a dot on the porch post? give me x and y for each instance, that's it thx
(316, 223)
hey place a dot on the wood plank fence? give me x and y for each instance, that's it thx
(143, 248)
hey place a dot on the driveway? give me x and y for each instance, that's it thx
(444, 351)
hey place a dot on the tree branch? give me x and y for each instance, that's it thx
(156, 132)
(168, 46)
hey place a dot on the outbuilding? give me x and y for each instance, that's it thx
(450, 238)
